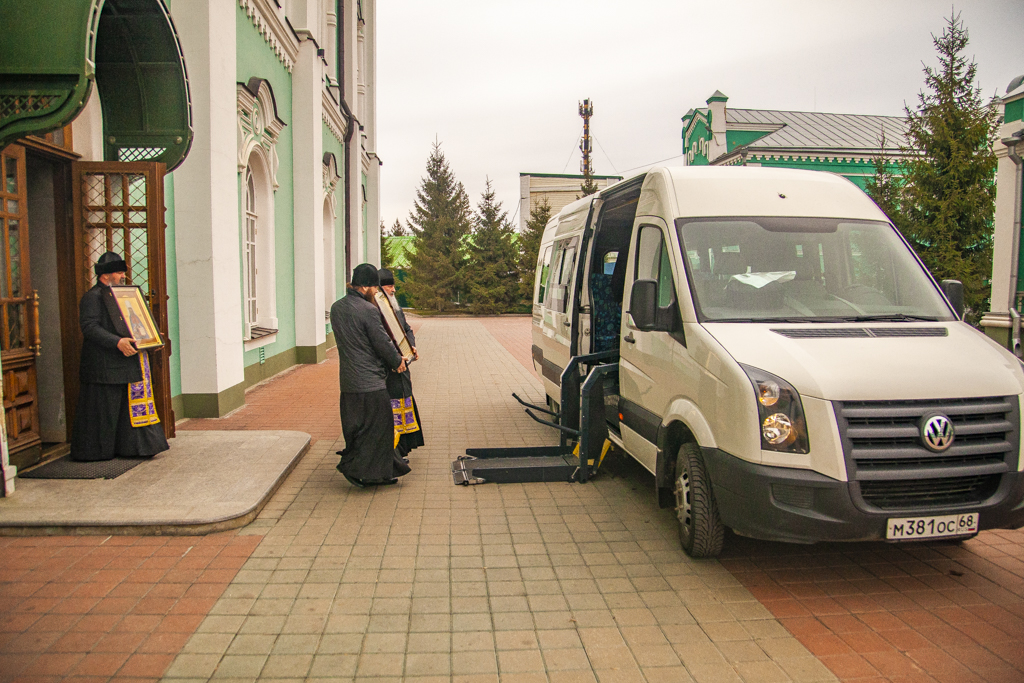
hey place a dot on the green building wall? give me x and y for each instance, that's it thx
(255, 58)
(337, 147)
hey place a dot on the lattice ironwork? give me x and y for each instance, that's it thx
(139, 153)
(27, 105)
(116, 219)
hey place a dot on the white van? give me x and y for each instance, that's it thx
(787, 366)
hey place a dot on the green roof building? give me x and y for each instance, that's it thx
(840, 143)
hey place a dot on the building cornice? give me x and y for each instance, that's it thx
(849, 156)
(332, 117)
(270, 22)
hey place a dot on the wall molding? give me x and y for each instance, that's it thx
(258, 125)
(269, 21)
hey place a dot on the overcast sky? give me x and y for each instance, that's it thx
(498, 82)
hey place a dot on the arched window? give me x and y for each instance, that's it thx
(249, 266)
(257, 238)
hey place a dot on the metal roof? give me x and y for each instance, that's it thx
(819, 131)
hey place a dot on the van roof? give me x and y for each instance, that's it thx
(758, 191)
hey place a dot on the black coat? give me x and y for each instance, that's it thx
(102, 327)
(365, 351)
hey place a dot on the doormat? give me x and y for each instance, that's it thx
(66, 468)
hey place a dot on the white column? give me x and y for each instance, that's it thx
(206, 207)
(1003, 289)
(524, 201)
(369, 97)
(307, 163)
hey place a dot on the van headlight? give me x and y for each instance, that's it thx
(780, 412)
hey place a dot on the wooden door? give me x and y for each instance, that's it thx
(119, 206)
(19, 325)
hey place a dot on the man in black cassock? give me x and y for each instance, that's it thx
(366, 355)
(403, 405)
(116, 385)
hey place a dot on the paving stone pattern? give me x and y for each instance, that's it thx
(518, 582)
(534, 582)
(95, 608)
(927, 611)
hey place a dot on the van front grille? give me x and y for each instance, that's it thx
(929, 493)
(886, 455)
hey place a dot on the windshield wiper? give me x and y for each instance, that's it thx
(765, 320)
(895, 318)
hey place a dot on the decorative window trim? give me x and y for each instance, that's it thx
(264, 251)
(331, 177)
(258, 125)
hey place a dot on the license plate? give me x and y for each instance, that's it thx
(907, 528)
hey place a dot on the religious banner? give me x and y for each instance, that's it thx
(393, 327)
(136, 314)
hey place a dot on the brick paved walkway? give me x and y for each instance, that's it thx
(535, 582)
(97, 608)
(429, 581)
(874, 612)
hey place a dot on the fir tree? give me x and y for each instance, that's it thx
(398, 230)
(588, 186)
(886, 187)
(387, 260)
(529, 246)
(949, 193)
(494, 274)
(440, 222)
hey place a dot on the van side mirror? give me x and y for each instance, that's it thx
(954, 291)
(643, 303)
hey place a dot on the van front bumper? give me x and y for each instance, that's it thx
(802, 506)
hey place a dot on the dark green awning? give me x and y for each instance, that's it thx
(51, 51)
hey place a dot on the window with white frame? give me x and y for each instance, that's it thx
(258, 129)
(249, 265)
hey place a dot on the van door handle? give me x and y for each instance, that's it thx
(629, 338)
(566, 323)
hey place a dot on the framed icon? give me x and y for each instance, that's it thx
(136, 314)
(393, 327)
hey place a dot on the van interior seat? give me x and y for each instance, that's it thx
(607, 312)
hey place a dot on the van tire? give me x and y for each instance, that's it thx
(701, 532)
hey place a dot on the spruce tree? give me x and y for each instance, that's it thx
(529, 246)
(886, 187)
(440, 222)
(387, 259)
(494, 272)
(948, 197)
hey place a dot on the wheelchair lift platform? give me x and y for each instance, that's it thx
(581, 421)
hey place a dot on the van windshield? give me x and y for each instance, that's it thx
(804, 269)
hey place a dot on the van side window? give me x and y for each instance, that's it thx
(652, 263)
(544, 267)
(560, 277)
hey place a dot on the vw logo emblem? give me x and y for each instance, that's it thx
(937, 433)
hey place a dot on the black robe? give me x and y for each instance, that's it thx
(366, 356)
(103, 428)
(369, 432)
(400, 387)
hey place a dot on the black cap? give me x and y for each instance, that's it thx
(365, 275)
(386, 278)
(110, 262)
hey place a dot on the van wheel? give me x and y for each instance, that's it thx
(700, 528)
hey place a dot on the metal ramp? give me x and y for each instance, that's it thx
(580, 420)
